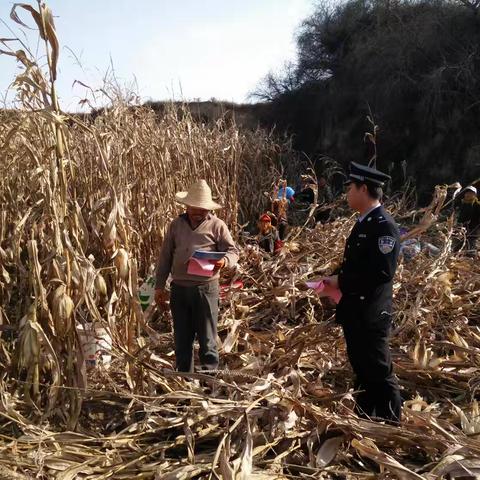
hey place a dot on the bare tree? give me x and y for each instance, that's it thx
(276, 84)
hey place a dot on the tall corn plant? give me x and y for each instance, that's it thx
(84, 208)
(43, 245)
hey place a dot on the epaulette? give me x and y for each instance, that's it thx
(381, 219)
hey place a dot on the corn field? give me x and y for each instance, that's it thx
(84, 205)
(84, 208)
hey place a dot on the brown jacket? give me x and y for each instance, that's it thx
(182, 240)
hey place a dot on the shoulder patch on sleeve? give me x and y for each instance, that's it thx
(386, 244)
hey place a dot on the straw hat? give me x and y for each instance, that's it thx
(199, 195)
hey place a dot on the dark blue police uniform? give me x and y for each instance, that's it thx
(365, 310)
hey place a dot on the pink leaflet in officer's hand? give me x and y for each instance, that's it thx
(317, 285)
(325, 290)
(334, 293)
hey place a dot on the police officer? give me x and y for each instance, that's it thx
(365, 280)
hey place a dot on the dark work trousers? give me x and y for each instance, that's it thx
(323, 215)
(195, 312)
(472, 241)
(471, 244)
(369, 354)
(282, 229)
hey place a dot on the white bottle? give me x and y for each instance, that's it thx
(146, 292)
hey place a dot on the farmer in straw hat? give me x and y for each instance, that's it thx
(193, 298)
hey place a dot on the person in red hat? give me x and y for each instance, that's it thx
(268, 238)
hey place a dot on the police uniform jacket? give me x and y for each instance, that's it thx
(366, 275)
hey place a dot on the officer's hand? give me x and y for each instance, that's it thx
(161, 298)
(332, 281)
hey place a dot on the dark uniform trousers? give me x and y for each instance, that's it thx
(365, 279)
(369, 355)
(195, 313)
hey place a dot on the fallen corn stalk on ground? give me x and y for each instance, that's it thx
(282, 406)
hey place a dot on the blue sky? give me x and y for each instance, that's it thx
(181, 49)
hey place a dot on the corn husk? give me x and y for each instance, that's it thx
(62, 310)
(100, 285)
(121, 263)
